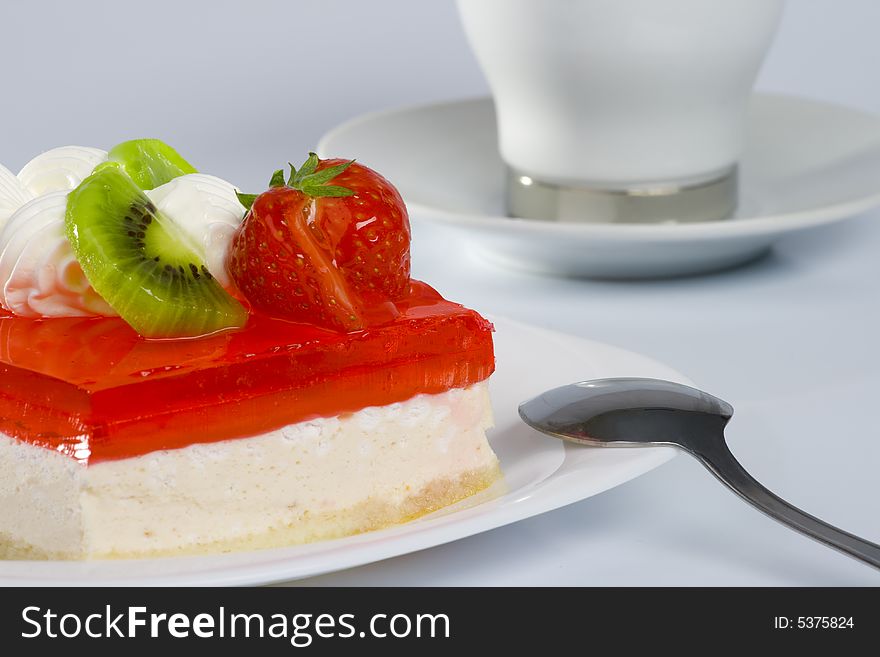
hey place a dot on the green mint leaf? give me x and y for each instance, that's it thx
(247, 200)
(277, 179)
(326, 175)
(307, 169)
(327, 191)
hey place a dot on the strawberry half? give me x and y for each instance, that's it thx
(335, 255)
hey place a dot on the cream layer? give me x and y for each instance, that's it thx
(316, 479)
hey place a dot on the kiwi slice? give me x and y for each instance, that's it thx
(150, 162)
(141, 263)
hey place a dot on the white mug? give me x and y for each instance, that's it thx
(603, 105)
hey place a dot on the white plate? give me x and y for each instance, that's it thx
(805, 164)
(540, 474)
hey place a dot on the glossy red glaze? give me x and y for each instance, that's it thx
(95, 390)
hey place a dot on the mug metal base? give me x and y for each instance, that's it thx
(711, 200)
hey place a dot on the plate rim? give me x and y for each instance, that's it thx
(756, 226)
(283, 569)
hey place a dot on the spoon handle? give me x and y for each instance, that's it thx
(716, 456)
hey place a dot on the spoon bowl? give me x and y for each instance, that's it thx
(626, 412)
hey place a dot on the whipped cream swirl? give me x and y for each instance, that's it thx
(39, 274)
(42, 277)
(208, 211)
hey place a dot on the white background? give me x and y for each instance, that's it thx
(242, 87)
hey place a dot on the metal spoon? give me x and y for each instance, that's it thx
(645, 412)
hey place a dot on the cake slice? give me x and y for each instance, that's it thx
(280, 433)
(288, 429)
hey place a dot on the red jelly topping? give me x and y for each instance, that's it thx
(95, 390)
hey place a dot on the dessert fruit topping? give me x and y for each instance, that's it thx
(138, 232)
(150, 162)
(141, 262)
(329, 247)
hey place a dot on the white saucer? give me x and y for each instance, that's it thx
(540, 474)
(806, 163)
